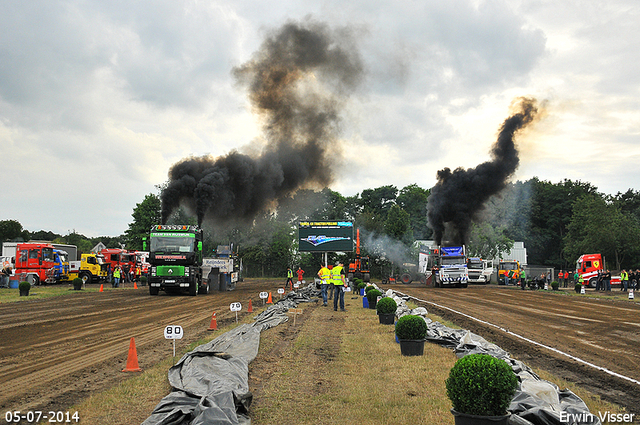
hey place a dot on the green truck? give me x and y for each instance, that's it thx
(175, 255)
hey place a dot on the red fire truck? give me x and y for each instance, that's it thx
(588, 266)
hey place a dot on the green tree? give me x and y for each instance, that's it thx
(413, 200)
(550, 215)
(398, 225)
(374, 205)
(83, 243)
(487, 241)
(145, 214)
(11, 230)
(598, 226)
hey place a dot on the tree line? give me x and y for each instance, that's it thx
(556, 221)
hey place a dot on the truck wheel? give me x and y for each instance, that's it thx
(193, 289)
(592, 282)
(86, 278)
(153, 290)
(406, 278)
(204, 289)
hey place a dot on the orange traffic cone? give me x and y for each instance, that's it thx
(101, 288)
(132, 358)
(214, 323)
(135, 285)
(269, 301)
(250, 309)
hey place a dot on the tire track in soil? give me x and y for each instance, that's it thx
(57, 351)
(531, 314)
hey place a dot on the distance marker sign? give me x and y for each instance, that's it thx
(173, 332)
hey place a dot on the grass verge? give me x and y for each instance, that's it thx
(332, 367)
(10, 295)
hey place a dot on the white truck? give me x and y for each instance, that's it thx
(480, 270)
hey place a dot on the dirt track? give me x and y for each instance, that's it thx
(603, 332)
(55, 352)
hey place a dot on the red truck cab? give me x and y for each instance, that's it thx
(35, 262)
(588, 266)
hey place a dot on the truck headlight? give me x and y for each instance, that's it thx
(153, 271)
(186, 271)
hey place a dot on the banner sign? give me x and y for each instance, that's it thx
(325, 236)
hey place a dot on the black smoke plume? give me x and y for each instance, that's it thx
(297, 83)
(459, 195)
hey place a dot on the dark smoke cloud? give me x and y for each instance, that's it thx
(459, 195)
(297, 83)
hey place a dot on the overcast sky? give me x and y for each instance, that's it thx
(98, 99)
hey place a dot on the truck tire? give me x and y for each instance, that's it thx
(154, 290)
(406, 278)
(592, 282)
(204, 289)
(86, 278)
(193, 288)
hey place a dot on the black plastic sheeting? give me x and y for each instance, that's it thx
(211, 383)
(536, 401)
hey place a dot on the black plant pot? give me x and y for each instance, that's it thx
(412, 347)
(24, 293)
(387, 318)
(465, 419)
(372, 305)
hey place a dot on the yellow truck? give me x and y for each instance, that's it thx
(509, 268)
(90, 268)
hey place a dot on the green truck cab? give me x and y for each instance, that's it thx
(175, 255)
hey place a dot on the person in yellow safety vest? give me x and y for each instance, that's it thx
(339, 283)
(116, 276)
(325, 277)
(624, 280)
(289, 278)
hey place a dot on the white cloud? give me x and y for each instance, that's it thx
(98, 99)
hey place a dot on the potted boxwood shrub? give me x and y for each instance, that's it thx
(77, 284)
(372, 297)
(411, 331)
(24, 288)
(361, 286)
(555, 285)
(386, 309)
(480, 388)
(578, 288)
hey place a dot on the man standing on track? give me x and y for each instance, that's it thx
(289, 278)
(300, 273)
(325, 276)
(339, 283)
